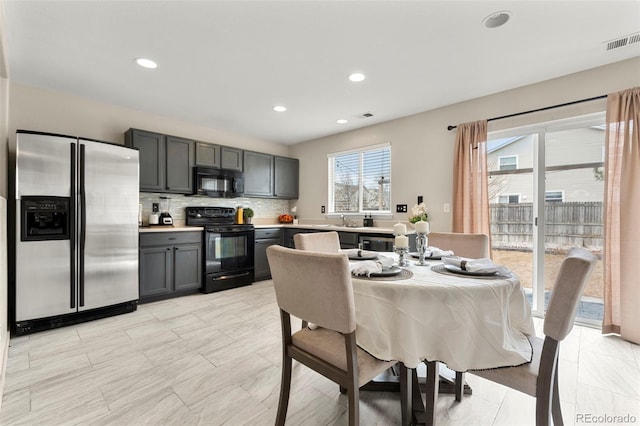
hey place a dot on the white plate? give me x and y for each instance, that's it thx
(394, 270)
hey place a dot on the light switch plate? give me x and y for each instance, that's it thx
(401, 208)
(446, 208)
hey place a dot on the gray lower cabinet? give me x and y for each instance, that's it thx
(348, 240)
(170, 264)
(265, 238)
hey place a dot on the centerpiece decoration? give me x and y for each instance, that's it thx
(419, 212)
(401, 242)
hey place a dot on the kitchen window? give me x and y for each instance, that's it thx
(360, 180)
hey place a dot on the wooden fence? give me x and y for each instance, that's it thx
(567, 224)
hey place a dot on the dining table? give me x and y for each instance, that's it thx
(434, 314)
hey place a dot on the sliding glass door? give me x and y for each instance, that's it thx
(547, 191)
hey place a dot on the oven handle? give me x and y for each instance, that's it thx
(228, 277)
(229, 231)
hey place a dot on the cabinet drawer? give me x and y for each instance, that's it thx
(268, 233)
(169, 238)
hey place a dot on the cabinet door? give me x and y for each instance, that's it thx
(207, 155)
(151, 147)
(286, 177)
(262, 270)
(180, 161)
(187, 266)
(155, 270)
(258, 174)
(231, 158)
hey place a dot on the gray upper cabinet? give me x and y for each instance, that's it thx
(180, 160)
(151, 148)
(165, 161)
(286, 177)
(258, 174)
(231, 158)
(207, 155)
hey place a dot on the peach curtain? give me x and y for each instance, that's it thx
(622, 229)
(470, 185)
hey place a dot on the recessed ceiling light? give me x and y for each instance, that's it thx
(279, 108)
(496, 19)
(342, 121)
(146, 63)
(357, 77)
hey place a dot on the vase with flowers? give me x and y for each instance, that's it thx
(419, 212)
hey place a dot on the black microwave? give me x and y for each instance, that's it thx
(219, 183)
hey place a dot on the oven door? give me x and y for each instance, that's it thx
(228, 249)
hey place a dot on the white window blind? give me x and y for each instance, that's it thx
(360, 180)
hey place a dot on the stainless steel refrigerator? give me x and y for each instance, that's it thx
(76, 230)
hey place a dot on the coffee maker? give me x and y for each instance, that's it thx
(165, 217)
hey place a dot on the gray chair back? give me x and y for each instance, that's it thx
(565, 298)
(474, 246)
(314, 286)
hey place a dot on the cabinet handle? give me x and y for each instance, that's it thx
(168, 248)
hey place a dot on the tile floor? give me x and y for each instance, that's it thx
(215, 360)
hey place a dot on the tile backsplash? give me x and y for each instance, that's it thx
(265, 210)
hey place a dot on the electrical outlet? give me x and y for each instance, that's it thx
(322, 209)
(401, 208)
(155, 207)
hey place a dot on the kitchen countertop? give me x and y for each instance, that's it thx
(320, 227)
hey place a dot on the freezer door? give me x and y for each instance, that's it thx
(108, 224)
(44, 284)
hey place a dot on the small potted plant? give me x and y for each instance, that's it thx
(248, 214)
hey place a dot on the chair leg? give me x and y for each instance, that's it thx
(556, 411)
(285, 388)
(432, 384)
(354, 406)
(459, 385)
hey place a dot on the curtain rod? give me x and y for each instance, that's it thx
(539, 109)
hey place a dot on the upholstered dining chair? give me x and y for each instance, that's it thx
(540, 377)
(326, 242)
(474, 246)
(317, 287)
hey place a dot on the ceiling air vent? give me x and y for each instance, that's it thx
(364, 115)
(622, 41)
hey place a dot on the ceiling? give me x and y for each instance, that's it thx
(225, 64)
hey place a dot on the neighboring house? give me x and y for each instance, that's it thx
(574, 163)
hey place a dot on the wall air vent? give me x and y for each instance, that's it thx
(622, 41)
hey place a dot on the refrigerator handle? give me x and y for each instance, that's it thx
(83, 225)
(72, 227)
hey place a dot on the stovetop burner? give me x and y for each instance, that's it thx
(213, 216)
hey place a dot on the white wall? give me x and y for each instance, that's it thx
(422, 147)
(43, 110)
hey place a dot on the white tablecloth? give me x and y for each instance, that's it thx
(464, 322)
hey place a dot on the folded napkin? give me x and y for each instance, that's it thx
(358, 253)
(368, 267)
(483, 266)
(436, 252)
